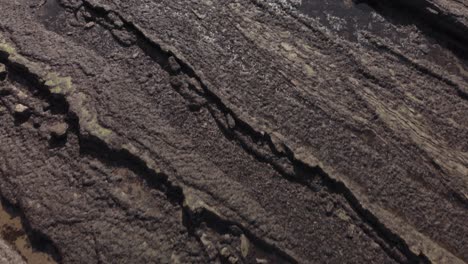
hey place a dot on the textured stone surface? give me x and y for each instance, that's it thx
(236, 131)
(9, 256)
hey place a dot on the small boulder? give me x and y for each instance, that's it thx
(226, 238)
(174, 66)
(59, 130)
(22, 112)
(116, 20)
(231, 121)
(195, 85)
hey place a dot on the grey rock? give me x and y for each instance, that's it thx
(58, 130)
(174, 65)
(90, 25)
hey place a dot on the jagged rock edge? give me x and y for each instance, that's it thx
(414, 244)
(87, 131)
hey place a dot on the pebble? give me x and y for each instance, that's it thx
(230, 120)
(21, 109)
(233, 260)
(245, 244)
(226, 238)
(116, 20)
(90, 25)
(225, 252)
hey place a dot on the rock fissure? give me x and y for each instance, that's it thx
(276, 153)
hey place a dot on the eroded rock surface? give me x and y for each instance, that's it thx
(239, 131)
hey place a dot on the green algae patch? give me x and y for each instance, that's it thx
(88, 120)
(5, 48)
(19, 61)
(98, 130)
(57, 84)
(143, 155)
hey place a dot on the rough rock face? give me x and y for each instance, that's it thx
(7, 255)
(241, 131)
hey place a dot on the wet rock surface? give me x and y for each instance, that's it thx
(235, 131)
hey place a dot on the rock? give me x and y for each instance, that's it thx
(21, 109)
(89, 25)
(195, 85)
(22, 112)
(174, 66)
(278, 142)
(245, 244)
(8, 254)
(116, 20)
(3, 72)
(227, 238)
(233, 260)
(230, 120)
(209, 247)
(225, 252)
(424, 48)
(261, 261)
(58, 130)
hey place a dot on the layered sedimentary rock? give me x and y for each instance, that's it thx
(235, 131)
